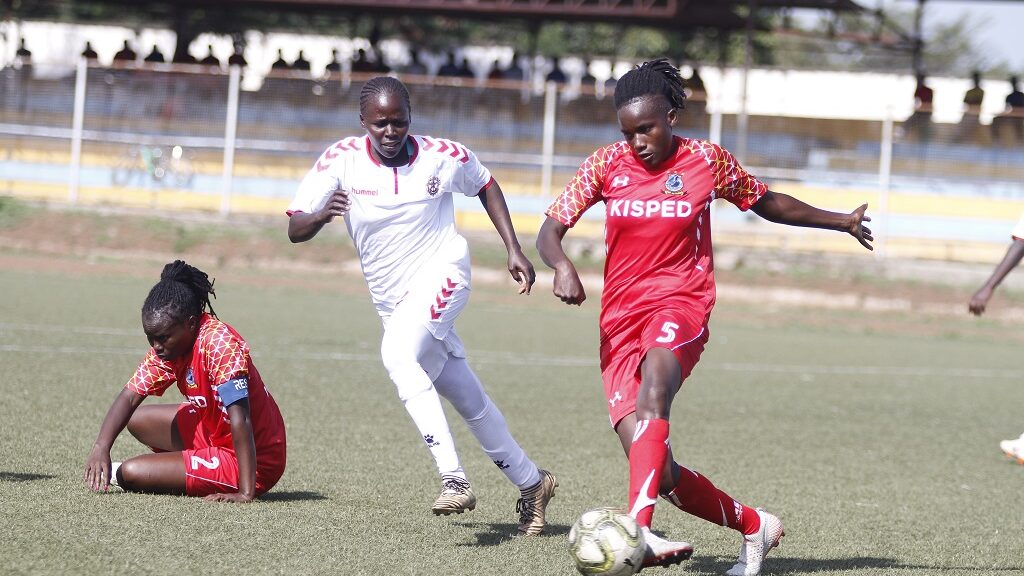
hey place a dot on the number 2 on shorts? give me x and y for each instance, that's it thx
(210, 464)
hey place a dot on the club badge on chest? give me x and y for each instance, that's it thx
(674, 185)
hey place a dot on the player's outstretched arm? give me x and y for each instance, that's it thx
(1013, 256)
(519, 266)
(567, 285)
(245, 452)
(784, 209)
(97, 465)
(303, 226)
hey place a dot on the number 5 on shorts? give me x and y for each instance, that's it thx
(211, 464)
(668, 333)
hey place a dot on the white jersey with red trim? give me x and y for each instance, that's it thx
(401, 218)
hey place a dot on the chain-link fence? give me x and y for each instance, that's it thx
(181, 136)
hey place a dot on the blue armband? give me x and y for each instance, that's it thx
(233, 390)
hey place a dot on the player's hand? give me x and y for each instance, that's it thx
(97, 470)
(521, 269)
(979, 301)
(338, 204)
(568, 287)
(858, 230)
(231, 497)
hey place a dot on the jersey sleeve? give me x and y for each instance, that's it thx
(225, 356)
(318, 184)
(152, 377)
(1018, 230)
(471, 176)
(731, 181)
(584, 190)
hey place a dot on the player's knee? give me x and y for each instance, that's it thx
(130, 475)
(410, 380)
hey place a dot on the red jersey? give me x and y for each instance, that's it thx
(657, 227)
(219, 357)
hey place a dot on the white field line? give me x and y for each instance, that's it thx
(509, 359)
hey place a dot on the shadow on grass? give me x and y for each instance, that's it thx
(811, 565)
(23, 476)
(292, 496)
(495, 534)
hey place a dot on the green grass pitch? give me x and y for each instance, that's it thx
(874, 440)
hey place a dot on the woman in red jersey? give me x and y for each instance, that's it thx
(659, 290)
(227, 441)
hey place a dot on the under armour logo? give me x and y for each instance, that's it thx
(620, 181)
(430, 441)
(501, 464)
(616, 398)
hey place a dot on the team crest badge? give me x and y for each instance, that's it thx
(674, 185)
(189, 378)
(433, 185)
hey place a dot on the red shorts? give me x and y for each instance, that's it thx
(622, 353)
(211, 469)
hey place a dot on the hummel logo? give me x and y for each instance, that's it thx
(616, 398)
(620, 181)
(501, 464)
(429, 439)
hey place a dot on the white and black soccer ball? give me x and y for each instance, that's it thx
(606, 541)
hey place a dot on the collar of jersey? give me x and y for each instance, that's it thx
(412, 156)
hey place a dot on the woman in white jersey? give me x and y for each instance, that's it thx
(394, 191)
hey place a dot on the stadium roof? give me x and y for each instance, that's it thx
(668, 14)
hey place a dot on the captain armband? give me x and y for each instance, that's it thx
(233, 390)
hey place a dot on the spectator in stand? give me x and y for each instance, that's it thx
(23, 54)
(696, 93)
(125, 54)
(155, 55)
(973, 98)
(237, 58)
(1012, 117)
(88, 53)
(587, 80)
(415, 66)
(280, 63)
(300, 62)
(555, 75)
(210, 59)
(449, 68)
(920, 122)
(514, 71)
(184, 57)
(361, 63)
(334, 66)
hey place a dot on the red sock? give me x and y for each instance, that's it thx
(646, 458)
(695, 494)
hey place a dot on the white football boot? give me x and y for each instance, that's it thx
(756, 546)
(1014, 448)
(661, 552)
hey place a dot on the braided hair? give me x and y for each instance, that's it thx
(381, 86)
(653, 78)
(182, 291)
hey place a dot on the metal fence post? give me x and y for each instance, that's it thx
(548, 146)
(884, 183)
(77, 121)
(230, 129)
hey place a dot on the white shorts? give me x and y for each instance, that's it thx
(436, 297)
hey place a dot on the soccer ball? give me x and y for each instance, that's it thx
(606, 541)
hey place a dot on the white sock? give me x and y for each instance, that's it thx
(428, 415)
(460, 386)
(114, 467)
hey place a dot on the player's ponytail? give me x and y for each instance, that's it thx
(182, 291)
(654, 78)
